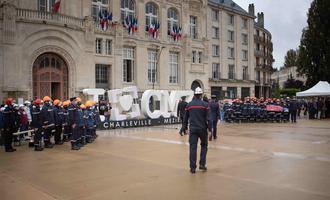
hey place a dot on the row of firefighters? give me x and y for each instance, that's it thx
(66, 121)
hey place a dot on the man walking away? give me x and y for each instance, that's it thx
(181, 112)
(196, 114)
(293, 107)
(214, 117)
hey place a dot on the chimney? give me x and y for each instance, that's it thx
(260, 21)
(251, 9)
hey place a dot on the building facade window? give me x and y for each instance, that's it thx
(102, 76)
(193, 27)
(99, 6)
(245, 54)
(231, 52)
(152, 66)
(108, 47)
(45, 5)
(127, 8)
(174, 67)
(245, 74)
(128, 64)
(215, 32)
(232, 92)
(215, 50)
(215, 15)
(231, 71)
(194, 57)
(98, 46)
(244, 23)
(231, 19)
(231, 36)
(244, 39)
(172, 20)
(200, 56)
(216, 71)
(151, 14)
(197, 57)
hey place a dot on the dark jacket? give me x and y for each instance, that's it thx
(81, 118)
(59, 115)
(214, 111)
(36, 117)
(181, 109)
(47, 115)
(90, 118)
(196, 114)
(73, 115)
(10, 117)
(293, 106)
(1, 120)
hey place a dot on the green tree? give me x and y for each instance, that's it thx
(314, 49)
(277, 93)
(290, 58)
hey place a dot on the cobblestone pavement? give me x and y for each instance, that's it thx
(248, 161)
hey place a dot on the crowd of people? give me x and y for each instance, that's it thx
(280, 110)
(49, 120)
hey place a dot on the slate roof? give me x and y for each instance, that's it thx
(230, 5)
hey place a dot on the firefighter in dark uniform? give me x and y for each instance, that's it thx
(67, 127)
(74, 123)
(213, 117)
(36, 124)
(48, 121)
(9, 124)
(90, 122)
(197, 115)
(59, 119)
(181, 112)
(82, 124)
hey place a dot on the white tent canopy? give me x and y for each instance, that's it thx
(322, 88)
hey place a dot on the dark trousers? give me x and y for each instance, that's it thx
(182, 130)
(293, 114)
(82, 131)
(75, 134)
(37, 137)
(58, 134)
(193, 140)
(67, 132)
(213, 127)
(47, 135)
(8, 138)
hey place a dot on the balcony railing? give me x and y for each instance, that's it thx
(36, 15)
(259, 53)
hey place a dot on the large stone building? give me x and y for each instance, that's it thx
(61, 54)
(263, 56)
(284, 73)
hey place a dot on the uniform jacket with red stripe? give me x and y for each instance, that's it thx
(197, 115)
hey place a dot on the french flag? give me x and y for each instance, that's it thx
(56, 6)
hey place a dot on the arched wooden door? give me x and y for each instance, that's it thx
(50, 77)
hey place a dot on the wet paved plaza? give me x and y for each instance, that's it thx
(248, 161)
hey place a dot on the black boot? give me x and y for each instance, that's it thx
(38, 148)
(83, 141)
(74, 146)
(89, 140)
(49, 145)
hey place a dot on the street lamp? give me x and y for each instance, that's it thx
(160, 49)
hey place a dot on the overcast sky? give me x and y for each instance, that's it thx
(285, 19)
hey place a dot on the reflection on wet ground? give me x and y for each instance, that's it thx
(247, 161)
